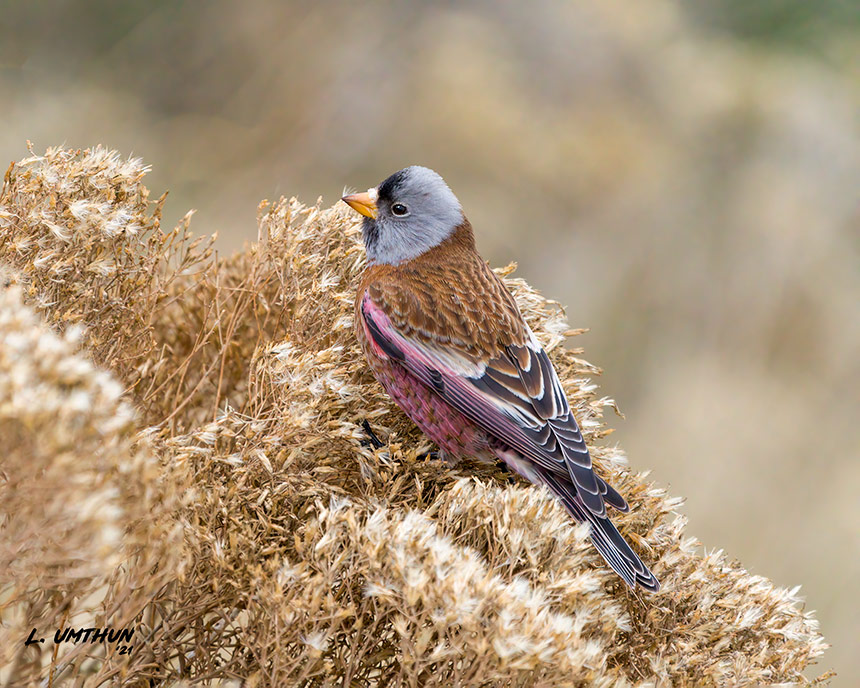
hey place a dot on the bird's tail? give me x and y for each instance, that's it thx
(605, 536)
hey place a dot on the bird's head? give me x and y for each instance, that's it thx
(406, 215)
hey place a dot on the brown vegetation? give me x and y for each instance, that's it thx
(184, 456)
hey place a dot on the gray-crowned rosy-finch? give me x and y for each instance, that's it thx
(446, 340)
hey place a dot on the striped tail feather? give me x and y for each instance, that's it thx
(604, 535)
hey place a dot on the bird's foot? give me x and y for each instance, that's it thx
(511, 476)
(372, 439)
(432, 455)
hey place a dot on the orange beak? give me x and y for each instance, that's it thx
(364, 203)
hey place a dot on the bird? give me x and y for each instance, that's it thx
(445, 338)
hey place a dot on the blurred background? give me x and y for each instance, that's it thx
(683, 176)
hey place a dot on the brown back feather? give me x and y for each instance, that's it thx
(448, 295)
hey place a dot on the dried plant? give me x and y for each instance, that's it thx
(185, 456)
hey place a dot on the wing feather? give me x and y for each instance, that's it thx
(516, 397)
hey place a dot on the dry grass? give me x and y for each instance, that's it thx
(225, 506)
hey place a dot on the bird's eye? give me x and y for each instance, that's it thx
(399, 209)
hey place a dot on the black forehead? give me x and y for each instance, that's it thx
(389, 189)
